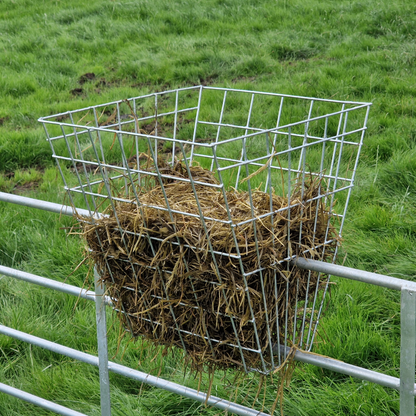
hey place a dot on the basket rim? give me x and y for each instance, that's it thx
(46, 119)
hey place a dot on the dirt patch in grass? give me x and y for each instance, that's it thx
(4, 120)
(21, 189)
(89, 76)
(21, 181)
(76, 92)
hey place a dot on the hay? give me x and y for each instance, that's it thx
(159, 268)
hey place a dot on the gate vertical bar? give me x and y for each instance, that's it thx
(102, 345)
(407, 351)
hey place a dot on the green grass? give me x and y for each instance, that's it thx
(347, 50)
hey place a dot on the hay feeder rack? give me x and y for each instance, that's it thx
(198, 199)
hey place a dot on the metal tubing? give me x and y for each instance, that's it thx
(102, 345)
(38, 401)
(407, 351)
(348, 369)
(49, 345)
(353, 274)
(44, 205)
(323, 362)
(51, 284)
(133, 374)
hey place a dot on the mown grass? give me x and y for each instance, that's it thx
(346, 50)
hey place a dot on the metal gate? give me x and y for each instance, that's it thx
(405, 384)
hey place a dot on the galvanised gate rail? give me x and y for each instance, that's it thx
(405, 384)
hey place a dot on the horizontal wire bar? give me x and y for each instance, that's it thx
(183, 331)
(38, 401)
(41, 119)
(202, 144)
(108, 127)
(187, 305)
(133, 374)
(319, 140)
(300, 97)
(131, 171)
(198, 87)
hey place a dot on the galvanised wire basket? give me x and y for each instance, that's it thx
(199, 199)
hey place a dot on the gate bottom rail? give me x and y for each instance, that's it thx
(131, 373)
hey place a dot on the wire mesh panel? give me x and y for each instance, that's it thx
(205, 195)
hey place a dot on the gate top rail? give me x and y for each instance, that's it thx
(355, 274)
(46, 205)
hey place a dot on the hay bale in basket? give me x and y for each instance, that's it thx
(159, 268)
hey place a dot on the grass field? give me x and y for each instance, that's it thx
(64, 55)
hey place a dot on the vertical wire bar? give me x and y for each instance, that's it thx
(160, 273)
(232, 226)
(102, 346)
(308, 345)
(305, 138)
(211, 249)
(275, 275)
(156, 126)
(276, 291)
(184, 259)
(136, 131)
(136, 142)
(302, 172)
(407, 351)
(120, 134)
(279, 115)
(175, 123)
(99, 135)
(332, 199)
(289, 249)
(364, 128)
(136, 126)
(338, 164)
(87, 204)
(253, 216)
(327, 228)
(220, 124)
(269, 179)
(122, 233)
(81, 156)
(243, 149)
(108, 267)
(341, 148)
(322, 300)
(104, 174)
(118, 116)
(334, 152)
(55, 156)
(302, 329)
(191, 156)
(354, 169)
